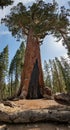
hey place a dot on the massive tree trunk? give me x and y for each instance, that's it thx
(32, 77)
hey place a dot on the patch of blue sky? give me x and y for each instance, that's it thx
(51, 49)
(7, 39)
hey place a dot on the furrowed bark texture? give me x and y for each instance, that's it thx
(32, 83)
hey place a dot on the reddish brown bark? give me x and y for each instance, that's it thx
(31, 55)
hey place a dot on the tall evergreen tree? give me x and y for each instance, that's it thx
(47, 74)
(61, 78)
(3, 71)
(66, 73)
(51, 70)
(36, 22)
(1, 74)
(16, 68)
(57, 86)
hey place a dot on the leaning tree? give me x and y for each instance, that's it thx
(36, 22)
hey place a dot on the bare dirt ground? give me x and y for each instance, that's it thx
(36, 104)
(24, 111)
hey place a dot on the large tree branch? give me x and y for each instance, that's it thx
(65, 37)
(24, 29)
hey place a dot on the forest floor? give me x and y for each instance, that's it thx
(36, 104)
(27, 111)
(56, 101)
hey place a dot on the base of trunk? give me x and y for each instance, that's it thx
(34, 91)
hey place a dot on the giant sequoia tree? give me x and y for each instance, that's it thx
(35, 22)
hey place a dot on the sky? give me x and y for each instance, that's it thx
(49, 49)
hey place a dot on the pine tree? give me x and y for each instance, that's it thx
(59, 71)
(3, 71)
(47, 75)
(66, 73)
(61, 78)
(51, 71)
(56, 79)
(16, 68)
(37, 21)
(1, 74)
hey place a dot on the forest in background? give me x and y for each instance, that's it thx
(56, 73)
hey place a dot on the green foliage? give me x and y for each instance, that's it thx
(43, 18)
(55, 78)
(66, 73)
(5, 3)
(60, 74)
(16, 67)
(4, 62)
(57, 75)
(47, 75)
(67, 43)
(3, 71)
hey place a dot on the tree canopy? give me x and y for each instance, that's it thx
(43, 18)
(5, 3)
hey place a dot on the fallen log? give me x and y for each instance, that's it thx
(62, 98)
(17, 115)
(8, 103)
